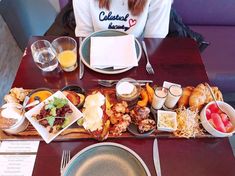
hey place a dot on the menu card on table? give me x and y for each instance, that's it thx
(17, 158)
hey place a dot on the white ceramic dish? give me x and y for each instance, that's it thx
(22, 122)
(48, 137)
(106, 159)
(167, 84)
(227, 109)
(172, 117)
(84, 51)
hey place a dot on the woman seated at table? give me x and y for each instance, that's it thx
(147, 18)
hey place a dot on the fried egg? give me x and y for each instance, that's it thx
(93, 113)
(94, 100)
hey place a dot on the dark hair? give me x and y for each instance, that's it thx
(135, 6)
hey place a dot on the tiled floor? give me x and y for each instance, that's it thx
(10, 56)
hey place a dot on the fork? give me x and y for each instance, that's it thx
(110, 83)
(149, 67)
(64, 160)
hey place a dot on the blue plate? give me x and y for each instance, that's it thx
(84, 51)
(106, 159)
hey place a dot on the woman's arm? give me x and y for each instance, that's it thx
(83, 18)
(157, 24)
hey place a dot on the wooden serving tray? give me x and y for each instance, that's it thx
(75, 132)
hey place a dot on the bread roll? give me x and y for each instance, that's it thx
(198, 97)
(184, 99)
(217, 93)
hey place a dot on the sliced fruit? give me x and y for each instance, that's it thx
(208, 113)
(229, 127)
(211, 122)
(213, 108)
(219, 125)
(224, 118)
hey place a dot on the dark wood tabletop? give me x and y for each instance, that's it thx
(174, 60)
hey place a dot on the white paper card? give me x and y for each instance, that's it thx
(17, 165)
(19, 146)
(167, 84)
(117, 52)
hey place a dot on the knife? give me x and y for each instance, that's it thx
(81, 65)
(232, 143)
(156, 159)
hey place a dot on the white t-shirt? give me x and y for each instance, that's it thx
(153, 22)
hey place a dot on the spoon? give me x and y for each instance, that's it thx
(213, 96)
(31, 104)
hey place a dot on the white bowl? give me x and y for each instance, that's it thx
(22, 122)
(229, 110)
(48, 137)
(172, 117)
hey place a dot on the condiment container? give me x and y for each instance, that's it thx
(174, 94)
(128, 89)
(166, 121)
(159, 97)
(13, 113)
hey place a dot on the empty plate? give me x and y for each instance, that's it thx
(106, 159)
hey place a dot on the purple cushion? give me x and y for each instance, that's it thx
(206, 12)
(219, 57)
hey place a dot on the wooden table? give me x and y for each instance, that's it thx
(174, 60)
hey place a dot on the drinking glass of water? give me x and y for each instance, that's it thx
(44, 55)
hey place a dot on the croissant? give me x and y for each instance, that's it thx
(184, 99)
(198, 97)
(217, 93)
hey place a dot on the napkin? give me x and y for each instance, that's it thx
(116, 51)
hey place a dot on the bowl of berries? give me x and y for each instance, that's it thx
(218, 121)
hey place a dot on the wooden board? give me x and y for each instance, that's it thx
(75, 132)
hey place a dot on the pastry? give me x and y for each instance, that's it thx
(184, 99)
(198, 97)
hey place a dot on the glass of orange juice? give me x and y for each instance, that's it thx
(66, 49)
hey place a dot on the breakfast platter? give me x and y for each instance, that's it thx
(125, 111)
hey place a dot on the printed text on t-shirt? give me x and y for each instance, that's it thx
(110, 17)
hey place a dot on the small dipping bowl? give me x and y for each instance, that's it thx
(128, 89)
(39, 94)
(74, 88)
(9, 113)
